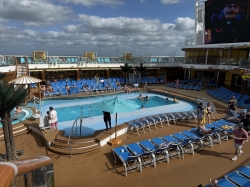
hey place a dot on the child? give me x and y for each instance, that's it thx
(48, 117)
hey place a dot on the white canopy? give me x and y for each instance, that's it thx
(26, 79)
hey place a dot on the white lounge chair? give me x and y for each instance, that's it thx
(44, 125)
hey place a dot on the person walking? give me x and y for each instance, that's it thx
(53, 117)
(240, 136)
(107, 119)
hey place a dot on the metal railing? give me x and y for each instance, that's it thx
(37, 101)
(34, 172)
(217, 61)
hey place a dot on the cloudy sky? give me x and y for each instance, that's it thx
(72, 27)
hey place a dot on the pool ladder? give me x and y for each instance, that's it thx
(37, 101)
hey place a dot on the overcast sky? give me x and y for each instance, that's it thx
(72, 27)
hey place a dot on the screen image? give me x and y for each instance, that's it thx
(227, 21)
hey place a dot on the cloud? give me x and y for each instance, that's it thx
(34, 12)
(89, 3)
(167, 2)
(184, 23)
(142, 1)
(101, 35)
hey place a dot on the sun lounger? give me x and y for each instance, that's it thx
(245, 171)
(194, 139)
(224, 182)
(170, 117)
(129, 161)
(201, 139)
(164, 118)
(149, 121)
(237, 178)
(147, 156)
(185, 145)
(157, 119)
(172, 147)
(217, 134)
(137, 125)
(160, 153)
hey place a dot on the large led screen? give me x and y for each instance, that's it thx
(227, 21)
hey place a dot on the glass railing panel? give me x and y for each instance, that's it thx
(42, 177)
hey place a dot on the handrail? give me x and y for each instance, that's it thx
(25, 166)
(8, 170)
(72, 133)
(37, 100)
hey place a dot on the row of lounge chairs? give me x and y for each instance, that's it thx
(239, 177)
(149, 152)
(190, 86)
(225, 95)
(153, 120)
(88, 86)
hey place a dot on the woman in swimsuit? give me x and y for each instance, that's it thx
(208, 108)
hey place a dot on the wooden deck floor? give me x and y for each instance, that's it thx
(97, 169)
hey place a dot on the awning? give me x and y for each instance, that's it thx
(25, 80)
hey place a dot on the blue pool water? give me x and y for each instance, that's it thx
(70, 109)
(25, 113)
(88, 110)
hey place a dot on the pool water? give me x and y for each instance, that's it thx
(88, 110)
(25, 113)
(71, 108)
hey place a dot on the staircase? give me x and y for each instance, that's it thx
(81, 145)
(74, 144)
(21, 69)
(17, 130)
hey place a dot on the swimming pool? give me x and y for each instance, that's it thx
(25, 113)
(69, 109)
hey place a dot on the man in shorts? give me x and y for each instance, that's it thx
(53, 117)
(240, 136)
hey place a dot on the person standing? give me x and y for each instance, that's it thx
(53, 117)
(240, 136)
(200, 114)
(177, 83)
(107, 119)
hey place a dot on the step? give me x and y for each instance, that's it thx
(73, 145)
(66, 151)
(79, 140)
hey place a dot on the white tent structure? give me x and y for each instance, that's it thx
(27, 80)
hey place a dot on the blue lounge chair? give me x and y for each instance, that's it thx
(201, 139)
(245, 171)
(172, 147)
(160, 153)
(137, 125)
(238, 179)
(194, 139)
(224, 182)
(128, 160)
(164, 118)
(185, 145)
(144, 154)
